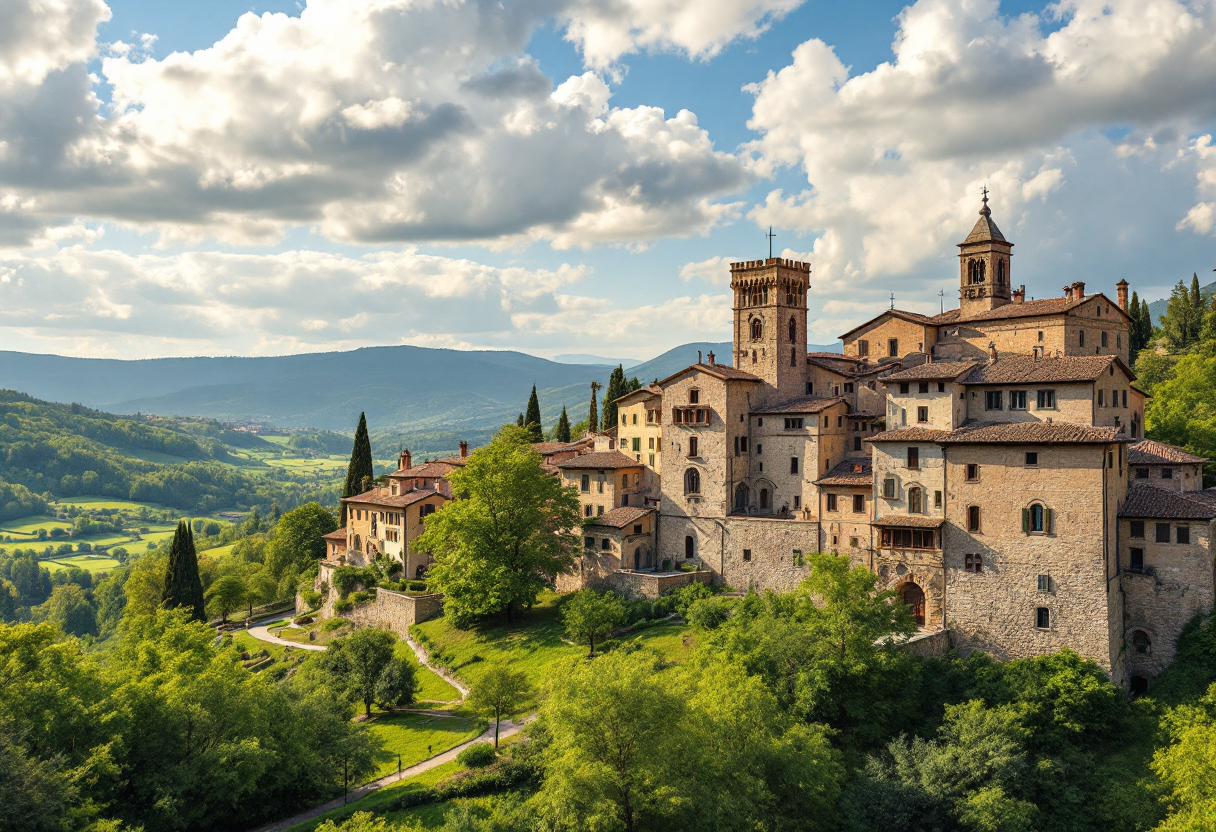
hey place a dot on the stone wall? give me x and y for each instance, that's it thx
(928, 644)
(395, 611)
(652, 584)
(912, 337)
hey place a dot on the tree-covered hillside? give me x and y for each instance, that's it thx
(59, 450)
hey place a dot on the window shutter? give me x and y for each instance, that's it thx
(1025, 521)
(1047, 520)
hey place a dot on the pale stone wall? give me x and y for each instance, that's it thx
(912, 337)
(1177, 584)
(945, 406)
(641, 436)
(769, 356)
(824, 381)
(1096, 316)
(891, 461)
(772, 543)
(607, 488)
(1182, 477)
(395, 611)
(651, 585)
(995, 609)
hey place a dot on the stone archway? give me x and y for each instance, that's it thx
(912, 595)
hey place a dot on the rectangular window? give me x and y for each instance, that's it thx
(888, 489)
(1017, 399)
(600, 485)
(973, 518)
(1081, 339)
(1040, 336)
(624, 419)
(914, 458)
(599, 510)
(909, 539)
(793, 424)
(586, 511)
(747, 555)
(652, 443)
(793, 465)
(694, 396)
(586, 484)
(973, 472)
(831, 502)
(589, 542)
(1044, 583)
(973, 563)
(692, 446)
(1183, 534)
(1137, 529)
(1167, 473)
(937, 499)
(941, 387)
(859, 503)
(1137, 560)
(743, 444)
(1032, 459)
(853, 542)
(848, 387)
(857, 443)
(1042, 618)
(652, 460)
(893, 348)
(1141, 473)
(863, 348)
(1101, 398)
(637, 443)
(992, 400)
(1047, 399)
(1104, 339)
(605, 544)
(922, 414)
(797, 501)
(903, 387)
(1163, 532)
(923, 387)
(810, 388)
(1125, 398)
(637, 528)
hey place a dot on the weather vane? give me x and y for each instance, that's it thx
(770, 236)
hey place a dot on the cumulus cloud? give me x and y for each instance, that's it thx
(895, 157)
(715, 270)
(370, 122)
(38, 37)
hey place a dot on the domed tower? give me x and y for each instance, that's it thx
(770, 324)
(983, 266)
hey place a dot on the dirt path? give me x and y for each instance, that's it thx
(508, 729)
(425, 660)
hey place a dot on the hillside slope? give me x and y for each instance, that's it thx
(1157, 308)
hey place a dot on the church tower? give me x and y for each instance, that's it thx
(983, 266)
(770, 324)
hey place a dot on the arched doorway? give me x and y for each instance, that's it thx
(637, 558)
(763, 499)
(914, 597)
(742, 498)
(690, 548)
(1138, 686)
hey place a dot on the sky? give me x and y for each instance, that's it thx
(575, 176)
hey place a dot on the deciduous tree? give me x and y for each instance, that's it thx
(225, 595)
(299, 538)
(590, 616)
(498, 691)
(359, 660)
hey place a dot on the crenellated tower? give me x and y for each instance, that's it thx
(983, 266)
(770, 324)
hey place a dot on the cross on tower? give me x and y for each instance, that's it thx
(770, 236)
(941, 295)
(892, 300)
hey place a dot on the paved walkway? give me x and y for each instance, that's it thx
(262, 633)
(508, 729)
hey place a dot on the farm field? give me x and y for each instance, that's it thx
(89, 563)
(30, 525)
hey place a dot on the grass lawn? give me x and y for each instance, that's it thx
(376, 801)
(89, 563)
(533, 644)
(111, 502)
(218, 552)
(410, 735)
(27, 527)
(251, 645)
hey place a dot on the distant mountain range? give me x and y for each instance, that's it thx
(587, 358)
(404, 390)
(1157, 308)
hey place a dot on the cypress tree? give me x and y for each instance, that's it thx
(593, 419)
(360, 467)
(616, 388)
(183, 587)
(519, 420)
(1146, 324)
(532, 420)
(563, 427)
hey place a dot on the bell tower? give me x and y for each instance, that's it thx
(770, 324)
(983, 266)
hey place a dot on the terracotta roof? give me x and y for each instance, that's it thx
(547, 448)
(454, 461)
(1024, 369)
(865, 415)
(426, 469)
(339, 535)
(910, 435)
(619, 518)
(909, 521)
(1152, 452)
(834, 363)
(381, 497)
(903, 314)
(721, 371)
(651, 389)
(1163, 503)
(854, 473)
(600, 459)
(1026, 309)
(806, 404)
(1207, 496)
(973, 432)
(936, 371)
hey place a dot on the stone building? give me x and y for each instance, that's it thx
(986, 463)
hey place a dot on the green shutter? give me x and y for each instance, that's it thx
(1025, 521)
(1047, 518)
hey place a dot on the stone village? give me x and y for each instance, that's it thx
(987, 463)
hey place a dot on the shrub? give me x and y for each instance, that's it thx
(304, 619)
(666, 565)
(334, 624)
(312, 598)
(343, 605)
(708, 613)
(362, 597)
(477, 755)
(639, 610)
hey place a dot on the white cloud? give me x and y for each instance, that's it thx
(715, 270)
(895, 157)
(1202, 217)
(38, 37)
(606, 30)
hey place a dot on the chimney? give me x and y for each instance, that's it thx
(1078, 290)
(1019, 294)
(711, 358)
(1068, 292)
(991, 352)
(464, 449)
(403, 461)
(1121, 288)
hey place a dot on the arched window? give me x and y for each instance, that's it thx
(1141, 642)
(916, 501)
(742, 497)
(793, 330)
(692, 481)
(1036, 519)
(763, 498)
(690, 548)
(358, 544)
(757, 329)
(1000, 272)
(914, 597)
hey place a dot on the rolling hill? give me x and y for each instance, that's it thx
(1157, 308)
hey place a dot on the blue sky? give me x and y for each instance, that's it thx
(456, 175)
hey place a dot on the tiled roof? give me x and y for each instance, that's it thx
(339, 535)
(1152, 452)
(547, 448)
(1024, 369)
(936, 371)
(454, 461)
(985, 229)
(910, 435)
(973, 432)
(426, 469)
(649, 390)
(1149, 501)
(834, 363)
(600, 459)
(381, 497)
(1026, 309)
(1207, 496)
(721, 371)
(806, 404)
(909, 521)
(865, 415)
(621, 517)
(853, 473)
(903, 314)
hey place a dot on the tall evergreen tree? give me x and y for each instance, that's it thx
(183, 587)
(616, 389)
(360, 468)
(593, 419)
(563, 427)
(532, 418)
(1135, 332)
(519, 420)
(1146, 323)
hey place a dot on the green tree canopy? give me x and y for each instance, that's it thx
(593, 418)
(360, 660)
(509, 535)
(299, 539)
(183, 587)
(1182, 410)
(499, 691)
(563, 427)
(532, 422)
(225, 595)
(70, 609)
(590, 616)
(361, 467)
